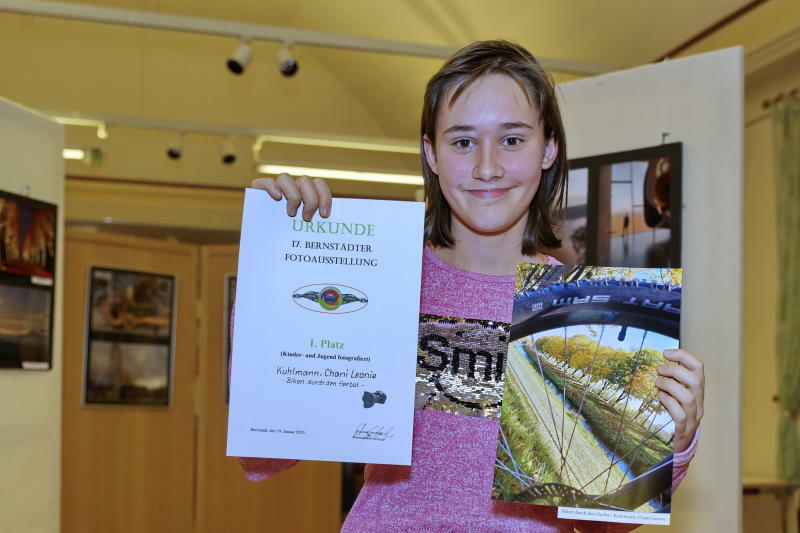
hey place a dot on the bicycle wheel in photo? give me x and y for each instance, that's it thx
(581, 424)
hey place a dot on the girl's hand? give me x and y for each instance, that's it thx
(683, 387)
(312, 193)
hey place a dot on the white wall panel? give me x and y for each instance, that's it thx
(699, 102)
(30, 401)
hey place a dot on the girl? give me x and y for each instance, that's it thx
(494, 163)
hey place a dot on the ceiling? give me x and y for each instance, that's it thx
(388, 88)
(71, 66)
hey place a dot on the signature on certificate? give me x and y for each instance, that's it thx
(366, 432)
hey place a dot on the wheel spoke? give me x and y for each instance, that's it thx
(585, 390)
(625, 407)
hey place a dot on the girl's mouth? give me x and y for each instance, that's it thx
(488, 193)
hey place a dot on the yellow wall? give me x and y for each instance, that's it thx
(760, 263)
(760, 412)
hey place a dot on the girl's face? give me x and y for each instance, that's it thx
(489, 155)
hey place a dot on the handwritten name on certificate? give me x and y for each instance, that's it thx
(327, 317)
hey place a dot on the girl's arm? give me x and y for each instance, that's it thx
(313, 194)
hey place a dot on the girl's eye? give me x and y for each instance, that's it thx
(463, 143)
(513, 141)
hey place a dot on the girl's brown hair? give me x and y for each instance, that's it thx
(459, 72)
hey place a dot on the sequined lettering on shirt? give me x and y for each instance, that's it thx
(460, 365)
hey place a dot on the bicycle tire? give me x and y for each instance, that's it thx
(637, 304)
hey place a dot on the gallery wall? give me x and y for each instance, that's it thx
(30, 424)
(760, 413)
(697, 101)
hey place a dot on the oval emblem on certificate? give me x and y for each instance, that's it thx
(330, 298)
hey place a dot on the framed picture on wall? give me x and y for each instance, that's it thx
(624, 209)
(27, 281)
(129, 337)
(230, 298)
(573, 230)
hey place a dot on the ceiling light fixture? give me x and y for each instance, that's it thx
(175, 150)
(227, 151)
(287, 64)
(75, 154)
(241, 57)
(375, 177)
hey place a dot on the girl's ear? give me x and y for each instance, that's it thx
(430, 154)
(550, 152)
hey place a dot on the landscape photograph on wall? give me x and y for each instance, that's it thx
(25, 326)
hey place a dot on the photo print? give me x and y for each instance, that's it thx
(581, 425)
(25, 326)
(27, 238)
(128, 373)
(230, 299)
(27, 280)
(129, 337)
(573, 230)
(624, 209)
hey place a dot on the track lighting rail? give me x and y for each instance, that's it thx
(238, 30)
(260, 135)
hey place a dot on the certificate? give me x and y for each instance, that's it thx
(327, 317)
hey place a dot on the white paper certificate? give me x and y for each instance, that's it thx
(327, 316)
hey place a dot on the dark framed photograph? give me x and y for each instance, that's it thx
(624, 209)
(129, 338)
(27, 280)
(27, 238)
(230, 298)
(26, 322)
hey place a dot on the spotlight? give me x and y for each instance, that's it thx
(287, 64)
(227, 151)
(241, 57)
(102, 132)
(175, 150)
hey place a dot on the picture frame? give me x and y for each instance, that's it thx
(623, 209)
(227, 342)
(129, 337)
(28, 251)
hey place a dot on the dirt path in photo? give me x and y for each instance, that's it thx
(585, 459)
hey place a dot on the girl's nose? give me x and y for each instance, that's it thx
(487, 167)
